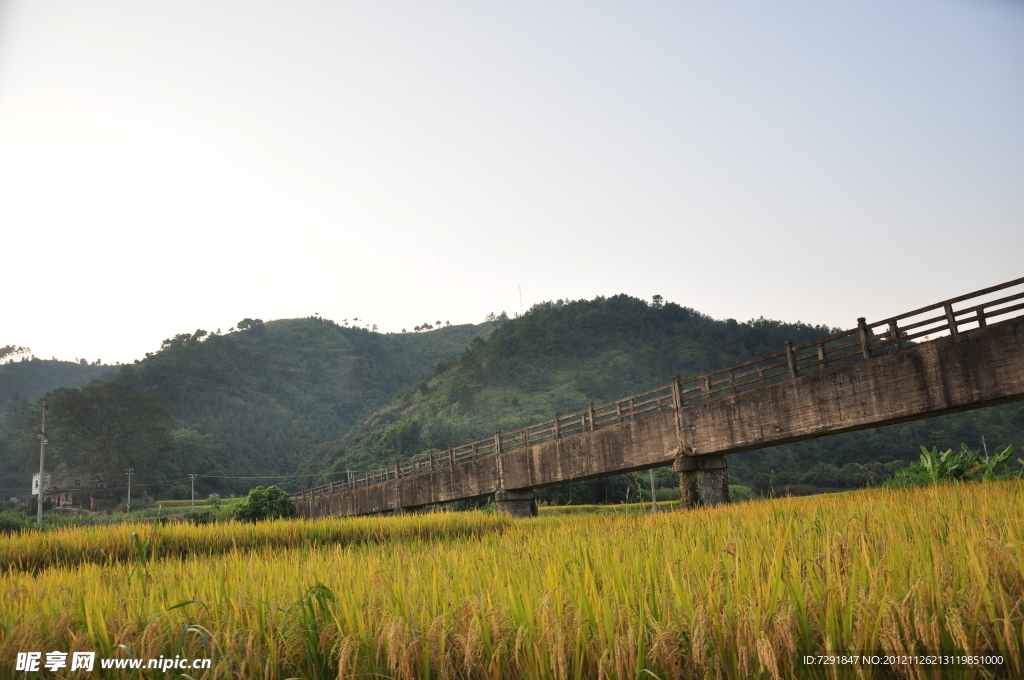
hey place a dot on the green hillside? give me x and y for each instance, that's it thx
(254, 401)
(561, 355)
(270, 393)
(312, 396)
(557, 357)
(32, 377)
(21, 383)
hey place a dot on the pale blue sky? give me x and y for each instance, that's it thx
(181, 165)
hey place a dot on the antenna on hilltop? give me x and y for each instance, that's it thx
(521, 299)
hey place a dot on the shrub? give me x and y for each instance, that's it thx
(739, 493)
(178, 491)
(664, 494)
(12, 522)
(268, 503)
(668, 494)
(206, 516)
(764, 484)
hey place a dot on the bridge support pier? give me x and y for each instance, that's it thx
(703, 480)
(519, 503)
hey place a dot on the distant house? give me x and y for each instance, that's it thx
(72, 489)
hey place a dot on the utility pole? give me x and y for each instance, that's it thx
(130, 489)
(654, 495)
(193, 478)
(42, 478)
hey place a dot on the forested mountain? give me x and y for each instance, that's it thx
(556, 357)
(561, 355)
(269, 393)
(311, 396)
(21, 383)
(257, 400)
(32, 377)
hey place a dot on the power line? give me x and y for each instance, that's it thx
(190, 478)
(257, 477)
(185, 479)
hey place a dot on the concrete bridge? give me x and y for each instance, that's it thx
(955, 355)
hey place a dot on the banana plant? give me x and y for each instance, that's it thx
(989, 465)
(967, 463)
(945, 465)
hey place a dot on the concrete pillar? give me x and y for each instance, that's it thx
(519, 503)
(703, 480)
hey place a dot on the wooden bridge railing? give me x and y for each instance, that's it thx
(994, 304)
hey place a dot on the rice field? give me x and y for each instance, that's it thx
(127, 542)
(743, 591)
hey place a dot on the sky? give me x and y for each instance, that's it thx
(170, 166)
